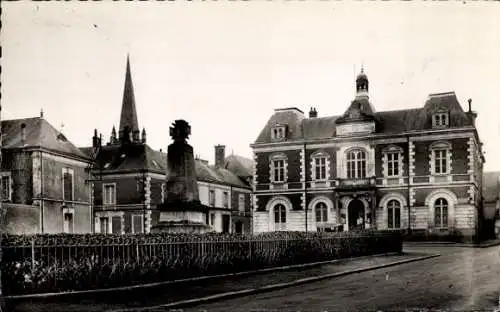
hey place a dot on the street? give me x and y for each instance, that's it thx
(461, 279)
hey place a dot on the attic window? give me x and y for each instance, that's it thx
(440, 120)
(61, 137)
(155, 164)
(106, 166)
(278, 132)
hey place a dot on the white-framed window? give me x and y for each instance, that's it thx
(441, 213)
(393, 164)
(137, 223)
(440, 119)
(320, 166)
(279, 217)
(211, 198)
(278, 133)
(109, 193)
(68, 220)
(440, 158)
(278, 168)
(241, 202)
(163, 185)
(212, 219)
(225, 199)
(356, 164)
(393, 214)
(6, 186)
(68, 190)
(321, 210)
(104, 225)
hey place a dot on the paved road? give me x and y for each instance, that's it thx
(461, 279)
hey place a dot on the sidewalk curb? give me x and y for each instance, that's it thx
(186, 280)
(252, 291)
(453, 244)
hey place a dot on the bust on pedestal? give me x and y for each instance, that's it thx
(182, 211)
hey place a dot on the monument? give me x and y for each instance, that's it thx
(182, 211)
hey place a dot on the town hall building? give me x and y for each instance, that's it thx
(416, 170)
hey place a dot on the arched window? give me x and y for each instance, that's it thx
(393, 214)
(441, 213)
(279, 217)
(356, 164)
(321, 212)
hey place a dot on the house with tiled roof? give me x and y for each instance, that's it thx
(417, 170)
(44, 176)
(129, 181)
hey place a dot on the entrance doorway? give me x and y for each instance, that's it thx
(239, 227)
(226, 222)
(356, 215)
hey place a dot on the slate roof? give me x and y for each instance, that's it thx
(39, 133)
(239, 165)
(387, 122)
(120, 158)
(491, 185)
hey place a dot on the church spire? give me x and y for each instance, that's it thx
(128, 117)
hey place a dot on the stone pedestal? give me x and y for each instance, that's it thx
(182, 212)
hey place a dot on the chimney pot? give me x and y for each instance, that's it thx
(470, 104)
(220, 155)
(313, 113)
(23, 133)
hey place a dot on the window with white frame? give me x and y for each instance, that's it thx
(241, 202)
(356, 164)
(278, 132)
(109, 194)
(278, 164)
(279, 217)
(6, 187)
(441, 213)
(212, 219)
(211, 198)
(393, 214)
(68, 221)
(137, 223)
(68, 188)
(104, 225)
(320, 167)
(440, 119)
(392, 164)
(321, 212)
(225, 199)
(440, 158)
(163, 192)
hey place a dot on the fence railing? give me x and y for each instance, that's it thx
(36, 267)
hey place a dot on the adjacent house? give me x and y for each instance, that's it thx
(44, 188)
(491, 197)
(416, 169)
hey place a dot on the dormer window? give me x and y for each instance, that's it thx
(440, 119)
(278, 132)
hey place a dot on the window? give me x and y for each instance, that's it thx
(211, 198)
(104, 221)
(68, 184)
(241, 202)
(163, 192)
(356, 164)
(212, 219)
(137, 223)
(116, 224)
(109, 191)
(320, 168)
(68, 222)
(440, 119)
(278, 133)
(279, 217)
(441, 213)
(393, 214)
(226, 199)
(440, 158)
(393, 164)
(6, 191)
(278, 171)
(321, 212)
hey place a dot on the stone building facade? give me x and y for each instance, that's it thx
(415, 169)
(44, 179)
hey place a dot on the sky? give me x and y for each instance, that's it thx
(225, 66)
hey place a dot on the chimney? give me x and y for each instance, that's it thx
(143, 135)
(23, 133)
(220, 155)
(41, 113)
(95, 139)
(472, 115)
(313, 113)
